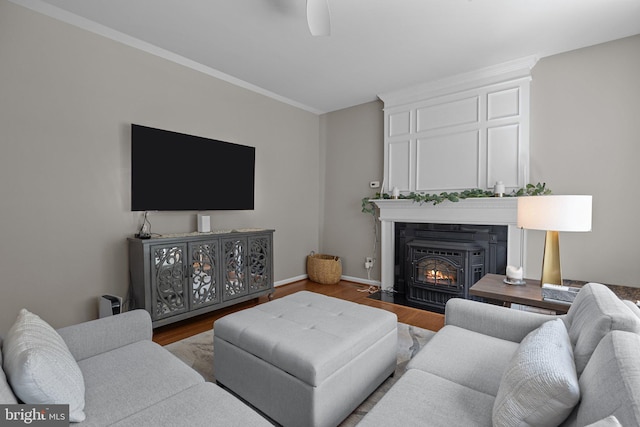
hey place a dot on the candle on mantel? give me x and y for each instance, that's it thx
(395, 193)
(514, 273)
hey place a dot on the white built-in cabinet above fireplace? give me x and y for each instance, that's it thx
(465, 132)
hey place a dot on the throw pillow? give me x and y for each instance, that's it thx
(539, 386)
(6, 394)
(40, 367)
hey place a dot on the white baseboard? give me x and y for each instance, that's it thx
(363, 281)
(290, 280)
(347, 278)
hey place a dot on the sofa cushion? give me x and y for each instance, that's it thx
(203, 405)
(455, 354)
(419, 398)
(595, 312)
(39, 366)
(111, 331)
(610, 383)
(632, 306)
(540, 385)
(6, 394)
(131, 378)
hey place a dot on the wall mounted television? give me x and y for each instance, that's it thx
(172, 171)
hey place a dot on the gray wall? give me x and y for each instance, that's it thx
(354, 147)
(67, 99)
(585, 139)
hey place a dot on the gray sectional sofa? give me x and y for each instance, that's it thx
(488, 366)
(125, 378)
(491, 365)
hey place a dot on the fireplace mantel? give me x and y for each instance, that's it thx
(479, 211)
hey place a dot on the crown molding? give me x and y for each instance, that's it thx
(507, 71)
(96, 28)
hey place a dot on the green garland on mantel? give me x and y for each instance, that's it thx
(530, 190)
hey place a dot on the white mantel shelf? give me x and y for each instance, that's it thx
(482, 210)
(479, 211)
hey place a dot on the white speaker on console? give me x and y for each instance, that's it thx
(204, 223)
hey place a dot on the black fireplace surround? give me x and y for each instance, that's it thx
(437, 262)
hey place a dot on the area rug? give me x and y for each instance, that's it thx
(198, 352)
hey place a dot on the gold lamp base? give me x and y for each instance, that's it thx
(551, 272)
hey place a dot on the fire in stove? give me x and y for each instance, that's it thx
(439, 277)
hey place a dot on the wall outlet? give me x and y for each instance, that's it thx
(368, 260)
(374, 184)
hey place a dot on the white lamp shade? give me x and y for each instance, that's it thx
(557, 213)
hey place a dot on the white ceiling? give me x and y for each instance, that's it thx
(376, 46)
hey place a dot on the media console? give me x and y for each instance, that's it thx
(178, 276)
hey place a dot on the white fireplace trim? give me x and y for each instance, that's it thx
(480, 211)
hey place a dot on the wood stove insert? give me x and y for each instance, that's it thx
(437, 262)
(439, 271)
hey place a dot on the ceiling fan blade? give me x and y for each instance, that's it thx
(318, 17)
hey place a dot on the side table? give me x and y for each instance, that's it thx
(493, 287)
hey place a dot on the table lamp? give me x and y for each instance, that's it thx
(553, 214)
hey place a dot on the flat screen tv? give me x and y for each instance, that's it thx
(172, 171)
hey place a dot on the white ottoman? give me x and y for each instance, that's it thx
(305, 359)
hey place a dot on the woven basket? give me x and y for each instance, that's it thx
(325, 269)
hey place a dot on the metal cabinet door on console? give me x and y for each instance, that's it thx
(260, 263)
(168, 281)
(234, 254)
(204, 276)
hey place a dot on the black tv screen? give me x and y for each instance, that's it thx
(172, 171)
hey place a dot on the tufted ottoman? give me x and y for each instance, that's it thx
(305, 359)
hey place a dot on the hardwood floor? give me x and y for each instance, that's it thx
(349, 291)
